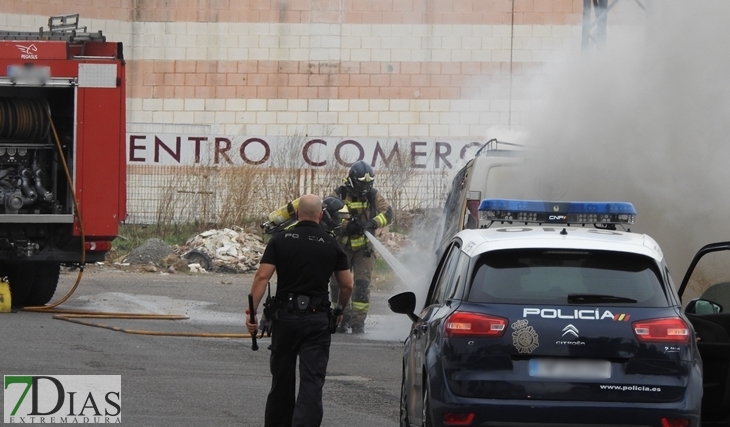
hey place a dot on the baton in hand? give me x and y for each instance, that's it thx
(254, 345)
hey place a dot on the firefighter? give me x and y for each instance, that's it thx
(368, 211)
(303, 257)
(332, 208)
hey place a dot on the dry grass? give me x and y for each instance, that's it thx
(241, 190)
(222, 196)
(187, 197)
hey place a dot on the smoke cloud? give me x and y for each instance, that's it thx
(645, 120)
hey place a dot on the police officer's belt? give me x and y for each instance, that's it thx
(294, 303)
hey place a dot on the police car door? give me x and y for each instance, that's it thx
(426, 332)
(706, 292)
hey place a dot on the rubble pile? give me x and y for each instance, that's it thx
(150, 251)
(232, 250)
(227, 250)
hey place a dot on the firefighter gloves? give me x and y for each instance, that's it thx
(356, 227)
(370, 226)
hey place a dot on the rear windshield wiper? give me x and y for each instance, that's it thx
(593, 298)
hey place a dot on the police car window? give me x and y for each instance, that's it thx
(548, 276)
(445, 276)
(456, 285)
(670, 282)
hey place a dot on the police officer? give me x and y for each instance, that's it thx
(303, 257)
(368, 210)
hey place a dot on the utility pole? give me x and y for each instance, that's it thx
(595, 18)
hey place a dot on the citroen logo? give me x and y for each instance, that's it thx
(570, 329)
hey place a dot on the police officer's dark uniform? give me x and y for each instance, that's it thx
(305, 257)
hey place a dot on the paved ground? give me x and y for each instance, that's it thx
(173, 381)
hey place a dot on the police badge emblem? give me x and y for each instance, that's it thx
(524, 337)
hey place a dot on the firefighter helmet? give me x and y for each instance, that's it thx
(331, 207)
(361, 177)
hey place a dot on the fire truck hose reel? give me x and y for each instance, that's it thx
(77, 213)
(31, 116)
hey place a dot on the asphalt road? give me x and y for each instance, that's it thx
(184, 381)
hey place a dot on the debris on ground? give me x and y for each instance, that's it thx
(151, 251)
(173, 263)
(232, 250)
(198, 258)
(227, 250)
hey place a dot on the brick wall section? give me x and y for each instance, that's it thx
(385, 69)
(526, 12)
(330, 65)
(308, 80)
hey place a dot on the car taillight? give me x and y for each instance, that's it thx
(675, 422)
(100, 246)
(671, 330)
(474, 324)
(458, 419)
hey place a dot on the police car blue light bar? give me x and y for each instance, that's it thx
(512, 210)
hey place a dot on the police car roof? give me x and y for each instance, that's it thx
(507, 236)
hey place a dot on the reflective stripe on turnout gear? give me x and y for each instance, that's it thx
(351, 205)
(381, 220)
(356, 242)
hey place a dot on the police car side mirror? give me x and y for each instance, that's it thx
(404, 303)
(702, 306)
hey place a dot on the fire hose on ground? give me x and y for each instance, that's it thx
(77, 316)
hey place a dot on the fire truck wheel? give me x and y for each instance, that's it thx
(44, 283)
(20, 278)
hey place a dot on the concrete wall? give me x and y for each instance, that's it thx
(449, 70)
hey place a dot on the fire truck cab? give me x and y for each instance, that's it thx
(62, 156)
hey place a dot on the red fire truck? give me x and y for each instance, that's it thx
(62, 157)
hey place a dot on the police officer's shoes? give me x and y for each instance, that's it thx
(358, 329)
(343, 329)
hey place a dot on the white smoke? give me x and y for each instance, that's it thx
(645, 120)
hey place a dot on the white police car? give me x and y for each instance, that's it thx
(551, 314)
